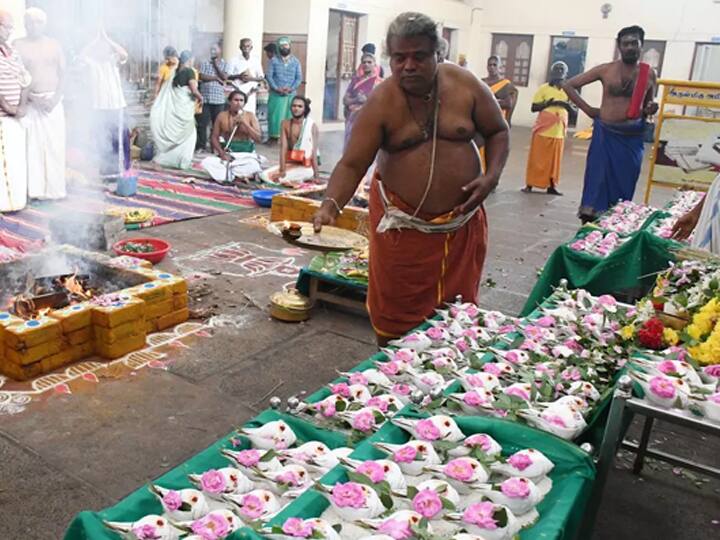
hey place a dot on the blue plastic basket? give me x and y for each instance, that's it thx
(263, 197)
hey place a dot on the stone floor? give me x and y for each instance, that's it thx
(89, 449)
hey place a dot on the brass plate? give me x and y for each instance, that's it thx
(330, 238)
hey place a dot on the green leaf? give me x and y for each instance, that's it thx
(447, 504)
(359, 478)
(411, 492)
(501, 517)
(337, 527)
(270, 454)
(340, 405)
(386, 500)
(185, 507)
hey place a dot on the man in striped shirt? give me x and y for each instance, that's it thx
(14, 87)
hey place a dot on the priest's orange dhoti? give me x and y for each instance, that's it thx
(419, 263)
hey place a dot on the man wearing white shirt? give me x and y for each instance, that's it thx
(246, 72)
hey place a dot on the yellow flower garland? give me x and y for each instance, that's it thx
(704, 322)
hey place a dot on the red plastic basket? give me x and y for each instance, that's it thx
(161, 249)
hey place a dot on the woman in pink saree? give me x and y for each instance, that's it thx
(359, 90)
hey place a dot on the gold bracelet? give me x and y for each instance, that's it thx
(337, 206)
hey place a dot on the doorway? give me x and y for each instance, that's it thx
(572, 51)
(298, 44)
(340, 61)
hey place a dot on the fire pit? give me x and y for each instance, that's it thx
(66, 304)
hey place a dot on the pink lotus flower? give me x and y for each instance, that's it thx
(297, 528)
(348, 495)
(252, 506)
(435, 333)
(363, 421)
(288, 478)
(427, 431)
(427, 503)
(520, 461)
(662, 387)
(440, 363)
(506, 329)
(571, 374)
(373, 470)
(546, 322)
(473, 399)
(490, 367)
(518, 391)
(713, 371)
(516, 357)
(389, 368)
(479, 439)
(462, 345)
(212, 481)
(328, 409)
(459, 469)
(401, 389)
(404, 356)
(358, 378)
(406, 454)
(379, 403)
(145, 532)
(608, 302)
(396, 529)
(515, 488)
(481, 515)
(341, 389)
(667, 366)
(172, 500)
(248, 458)
(211, 527)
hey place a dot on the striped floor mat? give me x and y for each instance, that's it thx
(170, 197)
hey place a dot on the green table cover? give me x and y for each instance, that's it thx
(88, 525)
(633, 264)
(560, 512)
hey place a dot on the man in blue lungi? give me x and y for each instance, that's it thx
(615, 155)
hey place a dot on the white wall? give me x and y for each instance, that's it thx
(679, 22)
(377, 16)
(286, 17)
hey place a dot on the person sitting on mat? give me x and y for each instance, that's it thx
(299, 141)
(236, 157)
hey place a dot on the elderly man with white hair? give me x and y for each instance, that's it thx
(44, 59)
(14, 86)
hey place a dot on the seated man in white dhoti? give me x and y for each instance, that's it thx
(235, 157)
(14, 88)
(43, 58)
(299, 141)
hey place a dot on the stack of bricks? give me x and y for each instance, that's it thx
(166, 301)
(31, 348)
(119, 328)
(300, 206)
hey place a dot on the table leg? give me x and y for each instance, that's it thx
(642, 447)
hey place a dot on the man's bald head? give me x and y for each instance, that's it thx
(6, 26)
(35, 22)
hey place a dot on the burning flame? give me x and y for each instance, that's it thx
(75, 287)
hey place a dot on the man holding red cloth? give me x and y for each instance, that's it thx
(615, 155)
(428, 231)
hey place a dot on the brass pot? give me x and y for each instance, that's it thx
(290, 306)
